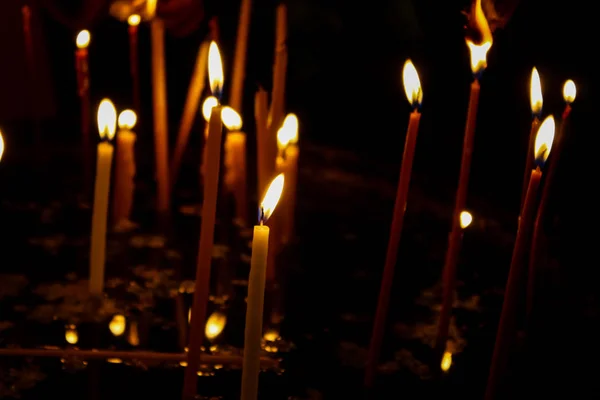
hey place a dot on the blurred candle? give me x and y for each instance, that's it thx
(256, 292)
(239, 60)
(83, 85)
(133, 21)
(124, 167)
(207, 106)
(516, 275)
(107, 121)
(264, 141)
(287, 142)
(235, 161)
(414, 93)
(537, 101)
(279, 75)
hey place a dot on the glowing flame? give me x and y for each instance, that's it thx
(543, 140)
(412, 84)
(480, 47)
(1, 145)
(127, 119)
(117, 325)
(271, 198)
(134, 20)
(288, 133)
(107, 119)
(215, 70)
(231, 119)
(215, 325)
(271, 335)
(535, 93)
(114, 360)
(133, 338)
(465, 219)
(151, 8)
(71, 335)
(446, 361)
(569, 91)
(207, 106)
(83, 39)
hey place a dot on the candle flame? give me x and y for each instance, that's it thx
(446, 361)
(231, 119)
(569, 91)
(207, 106)
(117, 325)
(133, 337)
(71, 335)
(482, 39)
(1, 145)
(215, 325)
(151, 8)
(543, 140)
(465, 219)
(107, 119)
(271, 335)
(83, 39)
(535, 93)
(271, 198)
(134, 20)
(412, 84)
(127, 119)
(288, 133)
(215, 70)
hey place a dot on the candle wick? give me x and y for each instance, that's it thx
(261, 215)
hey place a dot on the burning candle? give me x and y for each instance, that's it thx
(207, 106)
(133, 21)
(239, 60)
(83, 85)
(478, 50)
(207, 228)
(537, 101)
(256, 292)
(287, 143)
(107, 121)
(412, 87)
(235, 161)
(124, 167)
(514, 286)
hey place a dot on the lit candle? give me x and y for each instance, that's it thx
(516, 275)
(107, 121)
(235, 161)
(83, 85)
(133, 21)
(287, 142)
(124, 167)
(207, 228)
(412, 87)
(478, 50)
(256, 292)
(537, 101)
(239, 60)
(207, 106)
(264, 141)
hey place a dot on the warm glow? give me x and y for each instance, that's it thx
(189, 315)
(446, 361)
(535, 93)
(412, 84)
(271, 335)
(117, 325)
(271, 198)
(71, 335)
(134, 20)
(569, 91)
(231, 119)
(133, 337)
(480, 48)
(151, 8)
(215, 325)
(215, 70)
(107, 119)
(288, 133)
(1, 145)
(465, 219)
(543, 140)
(83, 39)
(207, 106)
(127, 119)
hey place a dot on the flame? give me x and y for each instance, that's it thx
(71, 335)
(412, 84)
(465, 219)
(569, 91)
(271, 335)
(535, 92)
(83, 39)
(114, 360)
(151, 8)
(288, 133)
(1, 145)
(127, 119)
(107, 119)
(543, 140)
(231, 119)
(479, 48)
(215, 325)
(117, 325)
(207, 106)
(271, 197)
(134, 20)
(133, 338)
(446, 361)
(215, 70)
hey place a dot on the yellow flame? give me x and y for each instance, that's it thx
(215, 69)
(1, 145)
(117, 325)
(543, 139)
(479, 50)
(71, 335)
(465, 219)
(134, 20)
(446, 361)
(412, 84)
(114, 360)
(207, 106)
(535, 92)
(288, 133)
(272, 197)
(151, 8)
(569, 91)
(83, 39)
(133, 338)
(107, 119)
(127, 119)
(271, 335)
(231, 119)
(215, 325)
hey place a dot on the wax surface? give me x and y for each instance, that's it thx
(124, 175)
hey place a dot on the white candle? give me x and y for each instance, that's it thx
(124, 167)
(235, 160)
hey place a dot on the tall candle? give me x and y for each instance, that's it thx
(235, 161)
(264, 141)
(83, 84)
(133, 21)
(107, 121)
(207, 106)
(537, 101)
(279, 75)
(239, 60)
(287, 142)
(256, 292)
(412, 87)
(514, 286)
(124, 167)
(478, 52)
(207, 228)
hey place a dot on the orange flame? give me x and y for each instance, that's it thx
(271, 197)
(481, 41)
(544, 139)
(535, 93)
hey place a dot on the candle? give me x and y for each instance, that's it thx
(537, 101)
(256, 292)
(190, 109)
(107, 121)
(124, 167)
(207, 106)
(279, 74)
(478, 50)
(83, 84)
(264, 141)
(235, 161)
(412, 87)
(239, 60)
(512, 293)
(207, 228)
(133, 21)
(287, 143)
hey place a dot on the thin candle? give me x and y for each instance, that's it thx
(516, 275)
(235, 161)
(133, 21)
(264, 141)
(209, 103)
(82, 41)
(124, 167)
(537, 101)
(412, 87)
(239, 60)
(287, 142)
(279, 74)
(478, 50)
(256, 292)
